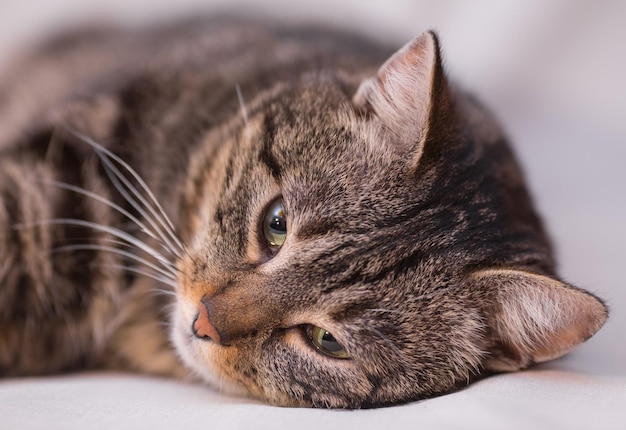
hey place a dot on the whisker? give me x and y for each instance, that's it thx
(111, 230)
(85, 239)
(113, 173)
(133, 269)
(115, 242)
(387, 341)
(169, 309)
(90, 247)
(165, 220)
(170, 306)
(125, 245)
(159, 291)
(244, 112)
(101, 199)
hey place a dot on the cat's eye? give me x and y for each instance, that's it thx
(326, 342)
(275, 225)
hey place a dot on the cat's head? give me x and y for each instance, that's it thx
(364, 243)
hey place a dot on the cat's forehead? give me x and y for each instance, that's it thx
(314, 134)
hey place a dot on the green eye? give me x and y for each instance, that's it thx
(275, 225)
(326, 342)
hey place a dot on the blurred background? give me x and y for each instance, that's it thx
(553, 71)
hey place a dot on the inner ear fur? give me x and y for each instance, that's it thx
(410, 96)
(534, 318)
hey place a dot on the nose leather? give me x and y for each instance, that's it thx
(202, 327)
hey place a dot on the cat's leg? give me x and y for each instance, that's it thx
(25, 242)
(54, 305)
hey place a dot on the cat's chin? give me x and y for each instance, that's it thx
(190, 350)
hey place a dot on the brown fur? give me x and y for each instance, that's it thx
(411, 236)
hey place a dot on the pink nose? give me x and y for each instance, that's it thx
(202, 326)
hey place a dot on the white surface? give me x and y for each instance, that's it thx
(554, 73)
(529, 400)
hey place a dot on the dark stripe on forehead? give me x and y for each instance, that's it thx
(198, 182)
(266, 156)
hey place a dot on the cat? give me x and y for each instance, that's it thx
(297, 214)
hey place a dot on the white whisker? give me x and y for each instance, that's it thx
(133, 269)
(244, 112)
(387, 341)
(115, 242)
(112, 231)
(114, 174)
(159, 291)
(103, 200)
(165, 221)
(90, 247)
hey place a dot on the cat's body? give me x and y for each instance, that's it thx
(407, 230)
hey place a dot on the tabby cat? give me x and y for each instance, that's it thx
(276, 211)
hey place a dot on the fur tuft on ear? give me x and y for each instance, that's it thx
(534, 318)
(408, 94)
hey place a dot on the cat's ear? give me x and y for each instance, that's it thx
(534, 318)
(409, 95)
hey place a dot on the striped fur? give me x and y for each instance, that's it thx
(135, 171)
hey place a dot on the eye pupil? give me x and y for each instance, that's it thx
(329, 343)
(275, 225)
(326, 342)
(278, 224)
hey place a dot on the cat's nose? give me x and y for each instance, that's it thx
(234, 315)
(202, 327)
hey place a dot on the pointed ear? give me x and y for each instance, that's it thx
(534, 318)
(409, 94)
